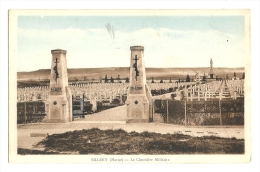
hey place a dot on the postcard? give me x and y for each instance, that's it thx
(129, 86)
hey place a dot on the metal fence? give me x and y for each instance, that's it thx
(28, 112)
(210, 112)
(34, 111)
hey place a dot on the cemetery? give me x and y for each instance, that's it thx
(196, 102)
(101, 96)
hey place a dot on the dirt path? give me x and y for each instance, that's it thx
(113, 114)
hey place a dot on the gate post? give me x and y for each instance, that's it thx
(59, 92)
(138, 98)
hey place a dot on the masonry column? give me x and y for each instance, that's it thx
(60, 100)
(137, 98)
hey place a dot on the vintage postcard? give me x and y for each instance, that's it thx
(129, 86)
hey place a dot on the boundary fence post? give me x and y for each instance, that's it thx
(167, 111)
(198, 94)
(185, 122)
(191, 97)
(25, 112)
(153, 105)
(220, 112)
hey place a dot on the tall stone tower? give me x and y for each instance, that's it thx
(59, 108)
(211, 71)
(139, 104)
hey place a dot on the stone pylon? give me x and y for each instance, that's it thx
(139, 96)
(59, 107)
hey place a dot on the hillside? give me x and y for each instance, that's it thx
(157, 73)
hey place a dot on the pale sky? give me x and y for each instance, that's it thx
(169, 41)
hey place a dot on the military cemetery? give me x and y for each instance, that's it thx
(143, 99)
(134, 109)
(196, 103)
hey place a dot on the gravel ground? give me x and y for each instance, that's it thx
(114, 119)
(107, 115)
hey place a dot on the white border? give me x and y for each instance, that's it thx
(14, 158)
(252, 5)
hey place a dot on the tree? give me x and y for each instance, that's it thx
(243, 77)
(106, 80)
(204, 78)
(161, 81)
(188, 78)
(170, 80)
(112, 80)
(152, 80)
(127, 80)
(118, 77)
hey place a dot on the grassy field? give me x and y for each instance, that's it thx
(119, 142)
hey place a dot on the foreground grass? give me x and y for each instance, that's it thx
(96, 141)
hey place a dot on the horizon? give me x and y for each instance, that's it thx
(145, 68)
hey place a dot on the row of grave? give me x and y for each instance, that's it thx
(107, 92)
(213, 90)
(99, 91)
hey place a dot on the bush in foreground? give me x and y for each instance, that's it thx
(96, 141)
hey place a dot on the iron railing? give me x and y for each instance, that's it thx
(210, 112)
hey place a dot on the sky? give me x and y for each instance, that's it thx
(104, 41)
